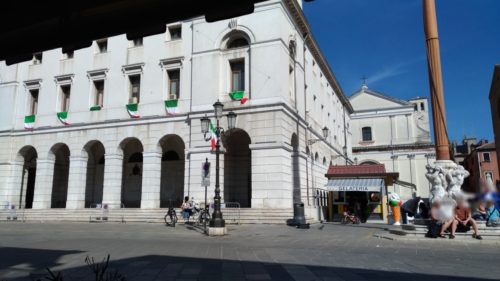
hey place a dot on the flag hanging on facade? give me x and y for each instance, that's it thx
(239, 96)
(133, 110)
(63, 117)
(29, 122)
(213, 140)
(171, 107)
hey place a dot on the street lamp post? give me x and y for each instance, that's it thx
(217, 219)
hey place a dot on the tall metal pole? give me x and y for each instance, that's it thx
(217, 220)
(435, 80)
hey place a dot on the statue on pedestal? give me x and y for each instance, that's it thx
(446, 180)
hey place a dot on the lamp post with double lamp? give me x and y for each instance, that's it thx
(217, 220)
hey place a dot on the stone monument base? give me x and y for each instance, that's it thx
(217, 231)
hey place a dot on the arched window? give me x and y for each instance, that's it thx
(316, 157)
(237, 42)
(324, 161)
(367, 133)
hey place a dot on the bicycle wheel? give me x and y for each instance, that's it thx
(204, 217)
(343, 220)
(170, 219)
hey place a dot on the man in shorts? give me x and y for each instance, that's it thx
(463, 218)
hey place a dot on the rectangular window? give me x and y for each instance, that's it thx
(135, 88)
(486, 157)
(175, 32)
(422, 107)
(98, 92)
(238, 75)
(102, 45)
(33, 102)
(366, 133)
(37, 58)
(65, 96)
(173, 84)
(137, 42)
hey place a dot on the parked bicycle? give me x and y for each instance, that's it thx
(350, 218)
(171, 216)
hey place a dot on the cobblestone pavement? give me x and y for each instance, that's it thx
(249, 252)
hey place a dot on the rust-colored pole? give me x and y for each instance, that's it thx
(435, 80)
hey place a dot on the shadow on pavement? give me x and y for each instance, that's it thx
(158, 267)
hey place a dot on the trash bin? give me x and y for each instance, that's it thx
(299, 218)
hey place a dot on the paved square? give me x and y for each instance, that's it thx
(249, 252)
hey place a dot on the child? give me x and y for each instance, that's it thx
(492, 214)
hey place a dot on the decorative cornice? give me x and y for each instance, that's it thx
(305, 30)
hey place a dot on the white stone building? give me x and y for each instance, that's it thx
(395, 133)
(105, 156)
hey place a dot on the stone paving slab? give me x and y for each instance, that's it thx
(249, 252)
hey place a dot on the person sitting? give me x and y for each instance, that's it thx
(463, 219)
(409, 208)
(187, 208)
(438, 226)
(492, 214)
(480, 213)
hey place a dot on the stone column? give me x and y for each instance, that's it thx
(435, 80)
(112, 187)
(15, 183)
(151, 180)
(43, 184)
(76, 182)
(271, 176)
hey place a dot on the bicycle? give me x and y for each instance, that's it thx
(171, 217)
(348, 218)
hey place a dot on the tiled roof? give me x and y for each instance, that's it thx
(356, 169)
(490, 145)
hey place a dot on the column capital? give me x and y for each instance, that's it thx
(151, 154)
(45, 161)
(113, 156)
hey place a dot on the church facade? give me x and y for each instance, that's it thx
(118, 123)
(396, 133)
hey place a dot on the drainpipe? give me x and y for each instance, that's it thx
(305, 115)
(190, 108)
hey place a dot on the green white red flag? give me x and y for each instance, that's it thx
(63, 117)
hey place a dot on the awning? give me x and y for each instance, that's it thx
(366, 185)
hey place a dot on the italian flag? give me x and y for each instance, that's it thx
(63, 117)
(29, 122)
(133, 110)
(171, 107)
(213, 140)
(239, 96)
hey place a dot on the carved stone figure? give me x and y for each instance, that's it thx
(437, 179)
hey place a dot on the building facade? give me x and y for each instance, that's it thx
(393, 132)
(495, 104)
(482, 165)
(119, 122)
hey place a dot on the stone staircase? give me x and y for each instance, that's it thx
(419, 229)
(231, 215)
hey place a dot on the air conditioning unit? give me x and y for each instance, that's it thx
(132, 100)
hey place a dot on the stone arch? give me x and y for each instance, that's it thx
(60, 153)
(238, 168)
(369, 162)
(238, 32)
(172, 170)
(131, 191)
(28, 155)
(95, 173)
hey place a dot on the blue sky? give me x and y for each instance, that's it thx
(384, 40)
